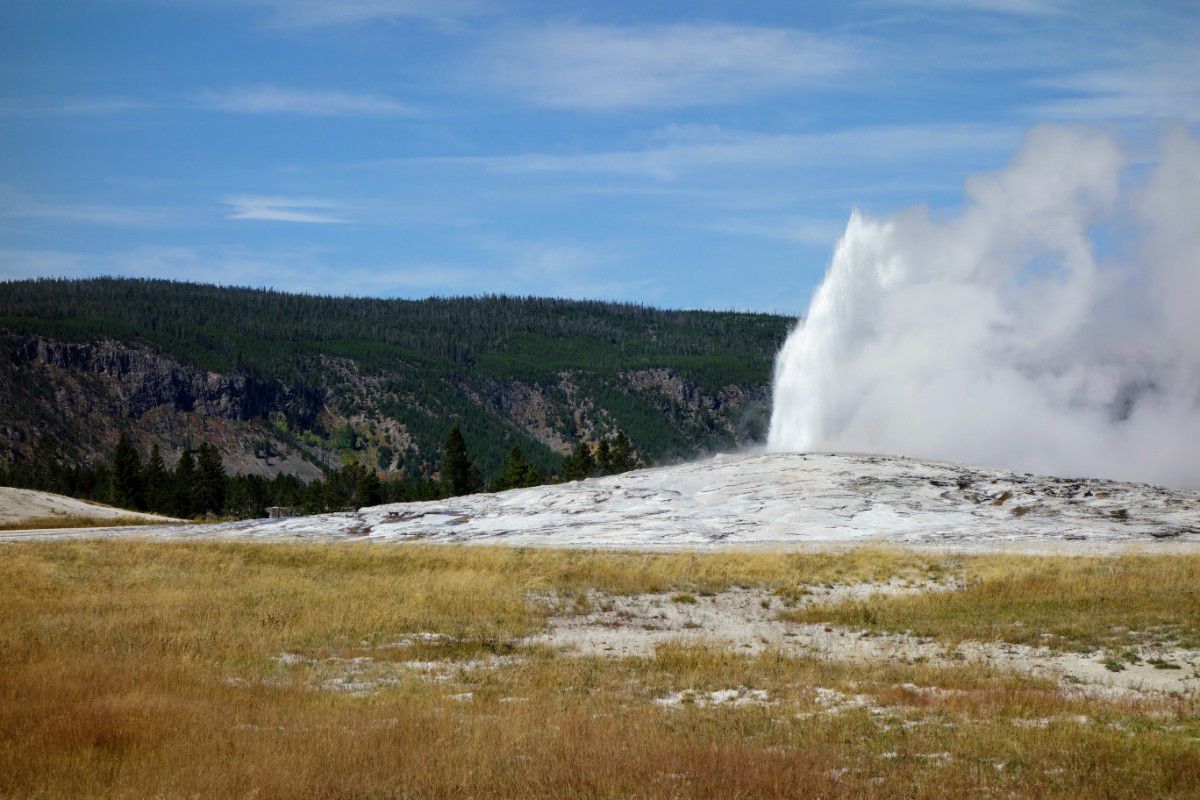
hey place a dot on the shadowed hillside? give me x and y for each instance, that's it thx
(299, 383)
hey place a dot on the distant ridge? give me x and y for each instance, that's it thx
(298, 383)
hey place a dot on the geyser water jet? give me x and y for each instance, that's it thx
(1053, 325)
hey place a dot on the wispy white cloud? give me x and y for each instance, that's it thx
(274, 208)
(1162, 87)
(69, 106)
(689, 149)
(596, 67)
(297, 269)
(309, 102)
(16, 264)
(797, 229)
(508, 267)
(16, 206)
(1035, 8)
(316, 13)
(258, 99)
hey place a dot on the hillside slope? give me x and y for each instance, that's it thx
(296, 383)
(773, 500)
(27, 506)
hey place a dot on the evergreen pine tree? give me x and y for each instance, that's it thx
(156, 481)
(368, 490)
(516, 472)
(331, 494)
(459, 473)
(210, 480)
(604, 463)
(183, 486)
(534, 475)
(622, 458)
(127, 475)
(580, 464)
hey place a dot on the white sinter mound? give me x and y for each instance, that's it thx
(18, 506)
(772, 499)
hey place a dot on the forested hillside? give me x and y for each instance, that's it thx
(304, 384)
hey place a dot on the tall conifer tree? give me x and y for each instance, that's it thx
(183, 485)
(580, 464)
(156, 481)
(210, 480)
(459, 473)
(127, 475)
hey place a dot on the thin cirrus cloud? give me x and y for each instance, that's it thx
(268, 208)
(596, 67)
(69, 106)
(1163, 88)
(536, 266)
(260, 100)
(680, 150)
(1035, 8)
(308, 102)
(797, 228)
(133, 216)
(298, 268)
(322, 13)
(18, 205)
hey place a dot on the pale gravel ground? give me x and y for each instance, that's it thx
(632, 626)
(622, 626)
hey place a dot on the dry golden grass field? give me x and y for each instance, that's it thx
(180, 670)
(52, 522)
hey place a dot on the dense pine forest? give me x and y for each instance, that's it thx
(198, 487)
(305, 386)
(270, 333)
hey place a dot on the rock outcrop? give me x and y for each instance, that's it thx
(70, 400)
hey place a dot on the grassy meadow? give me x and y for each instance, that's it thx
(1062, 602)
(178, 670)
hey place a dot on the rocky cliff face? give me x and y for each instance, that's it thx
(537, 409)
(740, 412)
(69, 401)
(144, 380)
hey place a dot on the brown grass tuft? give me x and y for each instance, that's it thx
(59, 521)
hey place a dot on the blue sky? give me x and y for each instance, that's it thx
(692, 154)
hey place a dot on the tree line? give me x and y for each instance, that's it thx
(254, 330)
(198, 485)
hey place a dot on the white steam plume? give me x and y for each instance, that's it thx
(1002, 336)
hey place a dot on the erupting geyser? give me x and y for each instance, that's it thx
(1051, 326)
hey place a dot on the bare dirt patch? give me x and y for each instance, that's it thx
(747, 621)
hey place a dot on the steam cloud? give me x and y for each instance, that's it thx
(1052, 326)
